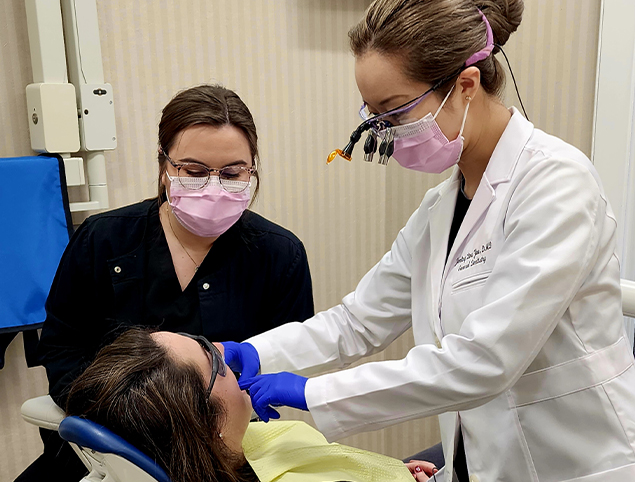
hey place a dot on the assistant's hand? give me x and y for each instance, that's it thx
(242, 358)
(275, 389)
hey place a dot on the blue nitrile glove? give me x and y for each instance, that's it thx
(275, 389)
(242, 358)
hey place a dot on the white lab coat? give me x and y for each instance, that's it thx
(519, 339)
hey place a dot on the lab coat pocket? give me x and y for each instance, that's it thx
(574, 394)
(471, 281)
(591, 448)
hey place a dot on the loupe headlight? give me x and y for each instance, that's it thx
(371, 144)
(347, 152)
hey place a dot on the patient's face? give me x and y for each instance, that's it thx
(236, 401)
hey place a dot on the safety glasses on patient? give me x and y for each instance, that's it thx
(219, 367)
(194, 176)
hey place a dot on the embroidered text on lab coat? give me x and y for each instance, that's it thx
(474, 257)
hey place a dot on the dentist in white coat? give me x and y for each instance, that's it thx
(507, 274)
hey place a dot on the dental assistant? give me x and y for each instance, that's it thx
(193, 259)
(507, 273)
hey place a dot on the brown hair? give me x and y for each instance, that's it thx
(434, 38)
(137, 390)
(212, 105)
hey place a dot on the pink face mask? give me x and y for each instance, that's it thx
(210, 211)
(422, 146)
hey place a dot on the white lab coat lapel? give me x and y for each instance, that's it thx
(440, 220)
(499, 170)
(481, 201)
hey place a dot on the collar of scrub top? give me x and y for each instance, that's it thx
(380, 122)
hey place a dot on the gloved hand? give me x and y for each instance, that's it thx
(275, 389)
(242, 358)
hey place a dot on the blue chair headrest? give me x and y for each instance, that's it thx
(88, 434)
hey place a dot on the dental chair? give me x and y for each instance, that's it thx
(109, 458)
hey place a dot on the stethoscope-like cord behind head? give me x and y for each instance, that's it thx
(513, 79)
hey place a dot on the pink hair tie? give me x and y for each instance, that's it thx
(485, 51)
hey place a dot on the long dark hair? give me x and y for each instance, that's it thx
(205, 104)
(138, 391)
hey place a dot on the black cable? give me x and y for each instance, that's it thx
(513, 78)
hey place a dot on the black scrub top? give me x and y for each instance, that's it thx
(117, 271)
(460, 210)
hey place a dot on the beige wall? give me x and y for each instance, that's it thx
(289, 61)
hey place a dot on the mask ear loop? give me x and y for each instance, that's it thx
(467, 107)
(443, 103)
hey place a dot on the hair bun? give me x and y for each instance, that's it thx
(503, 15)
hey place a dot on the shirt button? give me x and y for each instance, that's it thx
(117, 269)
(437, 342)
(473, 478)
(205, 286)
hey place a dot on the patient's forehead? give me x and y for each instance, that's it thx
(182, 348)
(174, 342)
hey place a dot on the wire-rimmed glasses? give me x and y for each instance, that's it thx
(219, 367)
(194, 176)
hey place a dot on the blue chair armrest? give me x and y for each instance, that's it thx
(88, 434)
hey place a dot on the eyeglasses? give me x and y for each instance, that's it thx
(380, 122)
(219, 367)
(193, 176)
(393, 117)
(399, 115)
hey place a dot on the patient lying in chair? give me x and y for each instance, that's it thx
(153, 389)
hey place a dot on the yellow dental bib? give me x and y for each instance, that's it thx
(294, 451)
